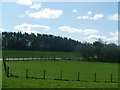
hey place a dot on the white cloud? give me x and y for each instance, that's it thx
(30, 3)
(95, 17)
(1, 29)
(91, 35)
(75, 11)
(113, 37)
(31, 28)
(90, 16)
(89, 13)
(45, 13)
(114, 34)
(114, 17)
(36, 10)
(24, 2)
(35, 6)
(75, 30)
(82, 17)
(96, 37)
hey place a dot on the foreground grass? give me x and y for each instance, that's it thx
(0, 74)
(36, 83)
(53, 69)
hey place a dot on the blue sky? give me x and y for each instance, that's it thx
(82, 21)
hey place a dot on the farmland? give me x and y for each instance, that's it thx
(22, 53)
(53, 70)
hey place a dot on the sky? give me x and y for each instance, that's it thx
(81, 21)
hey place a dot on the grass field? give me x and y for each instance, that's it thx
(0, 74)
(69, 68)
(53, 69)
(21, 53)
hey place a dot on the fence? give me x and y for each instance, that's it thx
(61, 77)
(35, 58)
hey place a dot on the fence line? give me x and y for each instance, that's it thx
(34, 58)
(8, 74)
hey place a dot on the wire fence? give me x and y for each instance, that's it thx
(60, 75)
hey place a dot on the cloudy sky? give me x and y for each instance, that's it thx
(82, 21)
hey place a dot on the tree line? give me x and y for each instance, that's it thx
(96, 51)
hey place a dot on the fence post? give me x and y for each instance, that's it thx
(4, 64)
(27, 73)
(111, 77)
(61, 75)
(78, 76)
(95, 77)
(7, 72)
(54, 58)
(44, 75)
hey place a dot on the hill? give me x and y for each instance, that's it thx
(96, 51)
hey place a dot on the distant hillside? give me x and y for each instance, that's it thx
(98, 51)
(39, 42)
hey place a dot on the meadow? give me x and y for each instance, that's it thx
(53, 70)
(22, 53)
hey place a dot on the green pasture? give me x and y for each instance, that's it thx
(70, 71)
(21, 53)
(53, 70)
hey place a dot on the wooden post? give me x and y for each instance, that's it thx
(78, 76)
(4, 64)
(27, 73)
(54, 58)
(44, 77)
(61, 75)
(111, 77)
(7, 72)
(95, 77)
